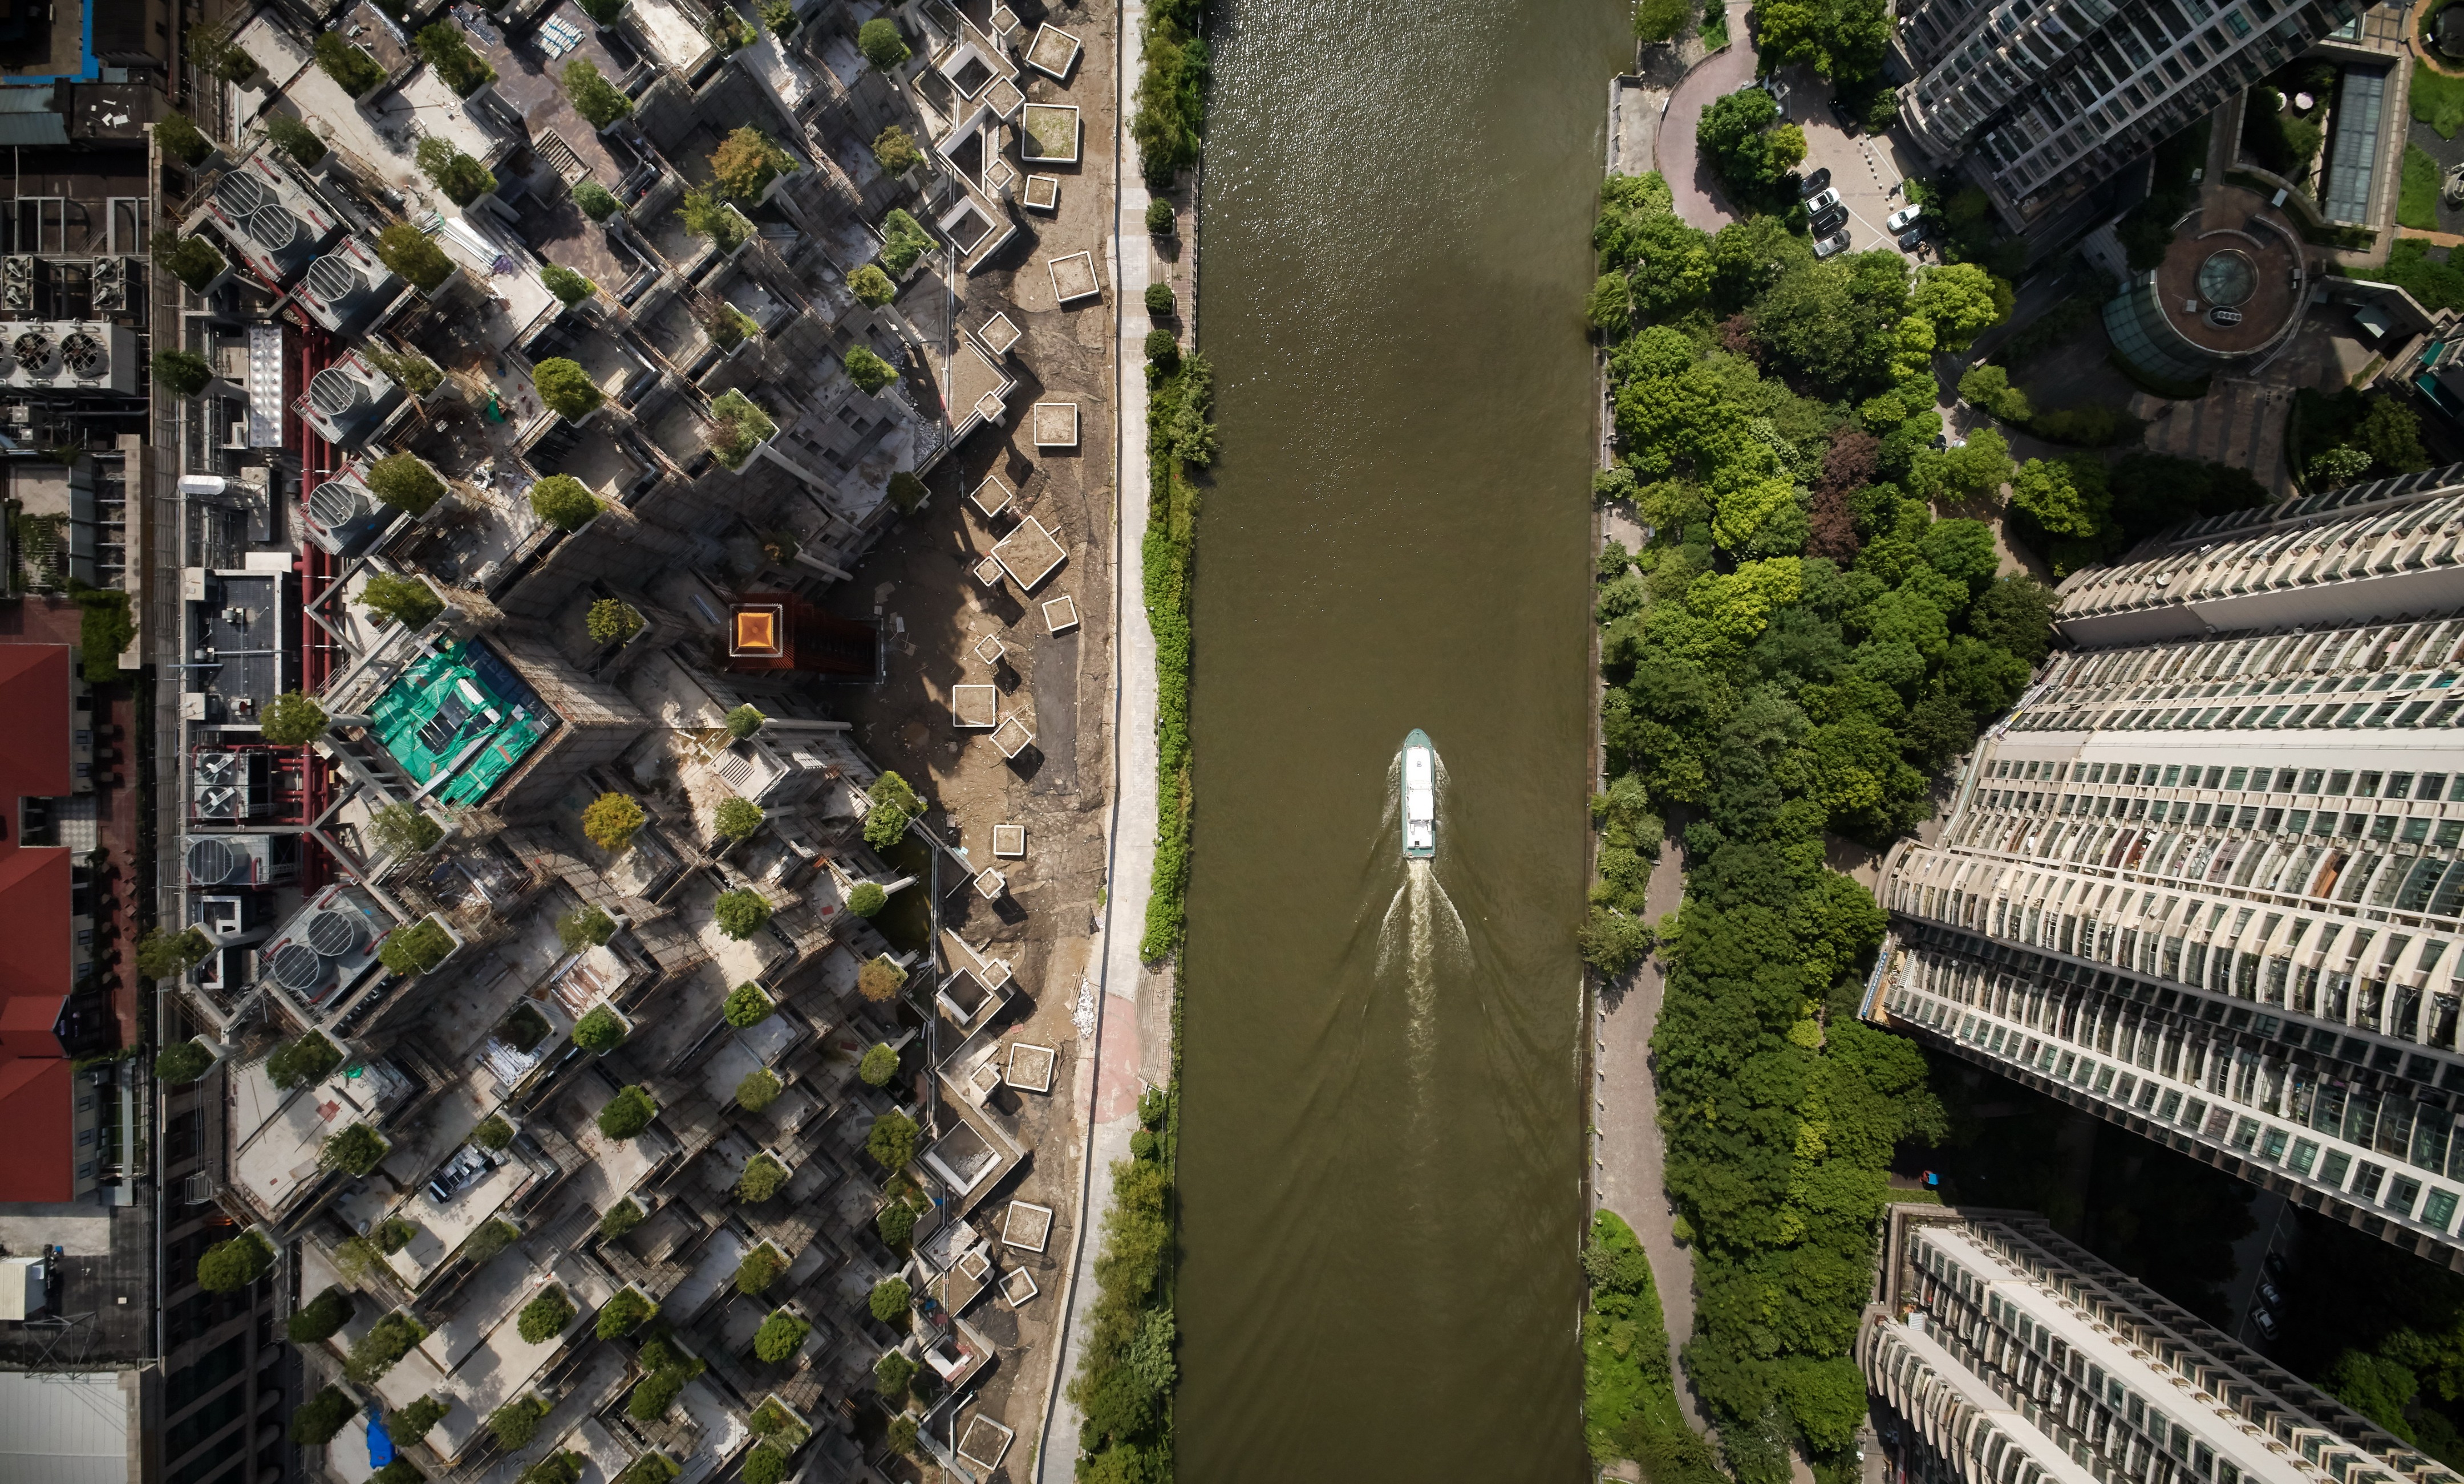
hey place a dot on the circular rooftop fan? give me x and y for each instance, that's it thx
(240, 194)
(274, 227)
(298, 968)
(334, 276)
(335, 504)
(337, 392)
(337, 934)
(211, 862)
(35, 352)
(86, 355)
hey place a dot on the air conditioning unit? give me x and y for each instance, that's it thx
(347, 400)
(328, 945)
(231, 861)
(228, 787)
(347, 286)
(108, 284)
(20, 276)
(273, 221)
(344, 518)
(70, 355)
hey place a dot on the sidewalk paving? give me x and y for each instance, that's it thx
(1690, 182)
(1131, 1035)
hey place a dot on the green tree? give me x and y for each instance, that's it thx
(1973, 472)
(317, 1421)
(881, 43)
(234, 1263)
(415, 373)
(447, 47)
(737, 819)
(2339, 466)
(416, 949)
(744, 721)
(758, 1089)
(594, 98)
(355, 1150)
(879, 1065)
(596, 201)
(516, 1424)
(620, 1218)
(402, 829)
(405, 482)
(211, 47)
(563, 502)
(182, 372)
(168, 955)
(1610, 305)
(892, 804)
(765, 1463)
(1990, 387)
(1661, 20)
(2389, 432)
(780, 1335)
(296, 140)
(182, 1062)
(871, 286)
(569, 286)
(1960, 301)
(896, 1223)
(545, 1316)
(1159, 300)
(310, 1059)
(351, 68)
(1844, 40)
(2060, 496)
(585, 926)
(891, 1141)
(759, 1270)
(761, 1179)
(706, 215)
(599, 1031)
(1733, 131)
(891, 1376)
(740, 914)
(895, 150)
(890, 1299)
(413, 1422)
(612, 620)
(746, 161)
(180, 138)
(628, 1113)
(1160, 217)
(866, 900)
(566, 389)
(406, 600)
(867, 370)
(878, 979)
(411, 253)
(747, 1005)
(463, 179)
(611, 821)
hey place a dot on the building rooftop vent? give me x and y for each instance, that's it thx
(36, 352)
(239, 194)
(299, 968)
(87, 354)
(274, 227)
(337, 392)
(334, 276)
(337, 934)
(211, 862)
(334, 503)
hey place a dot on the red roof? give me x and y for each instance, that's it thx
(37, 963)
(37, 1160)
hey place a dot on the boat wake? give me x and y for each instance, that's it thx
(1421, 938)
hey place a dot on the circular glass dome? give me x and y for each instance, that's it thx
(2227, 277)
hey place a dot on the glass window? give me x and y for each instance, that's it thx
(2339, 783)
(2399, 785)
(2439, 1210)
(2305, 1154)
(2366, 786)
(2338, 1165)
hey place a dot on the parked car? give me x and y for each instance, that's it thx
(2267, 1295)
(2274, 1265)
(1828, 222)
(1904, 218)
(2265, 1321)
(1821, 201)
(1819, 179)
(1830, 246)
(1912, 239)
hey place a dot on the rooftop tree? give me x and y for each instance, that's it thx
(417, 948)
(707, 216)
(406, 600)
(760, 1088)
(780, 1335)
(234, 1263)
(585, 926)
(545, 1316)
(566, 389)
(611, 821)
(516, 1423)
(378, 1351)
(209, 46)
(895, 150)
(744, 721)
(893, 804)
(891, 1141)
(494, 1133)
(903, 240)
(868, 371)
(612, 620)
(747, 1005)
(759, 1269)
(737, 818)
(879, 979)
(746, 161)
(463, 179)
(599, 1031)
(761, 1179)
(594, 98)
(181, 373)
(879, 1065)
(413, 372)
(597, 200)
(890, 1299)
(447, 47)
(628, 1113)
(351, 68)
(868, 899)
(402, 829)
(563, 502)
(182, 1062)
(317, 1421)
(411, 1424)
(193, 260)
(168, 955)
(569, 286)
(739, 425)
(740, 914)
(413, 255)
(624, 1314)
(297, 140)
(321, 1319)
(872, 287)
(355, 1150)
(298, 1063)
(881, 43)
(407, 484)
(620, 1218)
(180, 138)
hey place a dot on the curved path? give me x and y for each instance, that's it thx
(1718, 75)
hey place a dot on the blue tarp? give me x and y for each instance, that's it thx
(380, 1441)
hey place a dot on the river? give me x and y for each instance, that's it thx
(1383, 1127)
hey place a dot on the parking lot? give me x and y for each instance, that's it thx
(1866, 170)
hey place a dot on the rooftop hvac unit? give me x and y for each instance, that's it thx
(108, 284)
(274, 229)
(17, 276)
(346, 286)
(86, 355)
(228, 785)
(37, 354)
(211, 862)
(239, 194)
(344, 518)
(347, 400)
(235, 861)
(330, 942)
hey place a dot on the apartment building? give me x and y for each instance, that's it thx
(2210, 886)
(2012, 1355)
(2039, 102)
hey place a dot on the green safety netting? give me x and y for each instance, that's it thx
(460, 709)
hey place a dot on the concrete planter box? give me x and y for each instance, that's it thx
(1048, 133)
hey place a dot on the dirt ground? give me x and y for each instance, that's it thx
(1059, 685)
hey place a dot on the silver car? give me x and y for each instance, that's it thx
(1832, 247)
(1820, 200)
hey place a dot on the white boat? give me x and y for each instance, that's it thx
(1419, 797)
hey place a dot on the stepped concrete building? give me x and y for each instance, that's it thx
(2209, 884)
(2012, 1355)
(2044, 101)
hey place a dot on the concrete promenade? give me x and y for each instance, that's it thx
(1132, 1022)
(1695, 190)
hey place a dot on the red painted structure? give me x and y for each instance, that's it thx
(38, 958)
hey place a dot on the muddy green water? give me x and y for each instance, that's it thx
(1382, 1127)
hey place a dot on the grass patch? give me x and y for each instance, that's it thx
(2438, 101)
(1181, 440)
(1715, 28)
(2416, 203)
(2410, 266)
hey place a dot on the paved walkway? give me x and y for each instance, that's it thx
(1689, 178)
(1626, 1111)
(1107, 1101)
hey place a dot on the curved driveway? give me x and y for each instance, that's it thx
(1690, 179)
